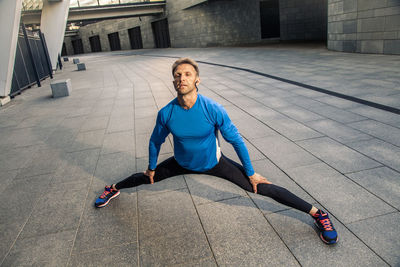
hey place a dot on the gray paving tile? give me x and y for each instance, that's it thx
(258, 242)
(77, 166)
(58, 210)
(118, 142)
(336, 114)
(47, 250)
(146, 112)
(120, 122)
(169, 220)
(20, 197)
(309, 250)
(145, 125)
(6, 177)
(337, 155)
(386, 244)
(252, 128)
(102, 109)
(79, 111)
(44, 161)
(382, 181)
(41, 122)
(205, 188)
(121, 255)
(283, 152)
(175, 183)
(87, 140)
(338, 102)
(337, 131)
(379, 130)
(299, 114)
(116, 223)
(379, 115)
(228, 150)
(112, 168)
(62, 138)
(336, 191)
(275, 102)
(9, 233)
(95, 123)
(243, 101)
(276, 176)
(383, 152)
(306, 103)
(293, 129)
(142, 145)
(28, 137)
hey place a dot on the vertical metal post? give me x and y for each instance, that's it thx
(46, 52)
(59, 61)
(28, 46)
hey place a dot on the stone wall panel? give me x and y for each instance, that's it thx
(372, 28)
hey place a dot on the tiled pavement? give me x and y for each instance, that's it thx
(57, 154)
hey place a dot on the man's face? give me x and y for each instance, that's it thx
(185, 79)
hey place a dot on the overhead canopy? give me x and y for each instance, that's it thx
(88, 11)
(38, 4)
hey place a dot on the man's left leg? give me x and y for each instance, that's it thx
(234, 172)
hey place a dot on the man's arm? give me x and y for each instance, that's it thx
(231, 135)
(157, 138)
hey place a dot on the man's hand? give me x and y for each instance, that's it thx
(150, 173)
(256, 179)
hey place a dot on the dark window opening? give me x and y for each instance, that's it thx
(77, 46)
(269, 15)
(115, 44)
(161, 33)
(95, 43)
(135, 38)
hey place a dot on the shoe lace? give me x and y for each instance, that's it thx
(327, 224)
(105, 193)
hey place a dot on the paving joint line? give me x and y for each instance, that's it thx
(201, 223)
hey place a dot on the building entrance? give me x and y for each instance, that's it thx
(135, 38)
(269, 15)
(95, 43)
(161, 33)
(115, 44)
(77, 46)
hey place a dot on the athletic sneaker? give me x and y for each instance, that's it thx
(107, 195)
(328, 233)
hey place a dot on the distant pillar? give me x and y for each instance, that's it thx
(10, 15)
(52, 23)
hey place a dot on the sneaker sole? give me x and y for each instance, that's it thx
(322, 238)
(105, 203)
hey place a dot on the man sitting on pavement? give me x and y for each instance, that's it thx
(194, 122)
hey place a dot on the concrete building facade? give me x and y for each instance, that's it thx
(364, 26)
(216, 23)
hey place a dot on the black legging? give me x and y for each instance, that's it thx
(226, 169)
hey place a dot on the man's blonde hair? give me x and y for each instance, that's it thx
(185, 60)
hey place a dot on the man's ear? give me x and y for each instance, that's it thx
(197, 81)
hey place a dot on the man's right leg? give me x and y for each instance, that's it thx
(165, 169)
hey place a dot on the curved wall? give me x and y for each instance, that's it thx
(364, 26)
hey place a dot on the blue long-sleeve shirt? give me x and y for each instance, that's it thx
(195, 135)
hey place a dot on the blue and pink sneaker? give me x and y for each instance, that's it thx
(107, 195)
(328, 233)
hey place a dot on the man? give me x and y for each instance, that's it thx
(194, 121)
